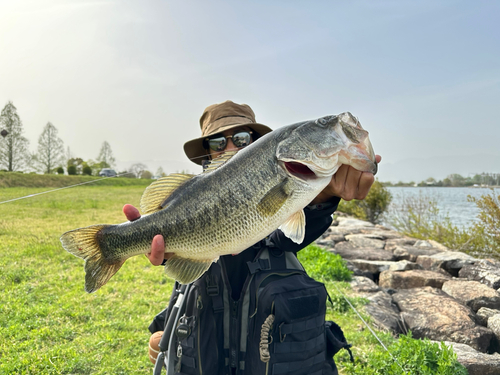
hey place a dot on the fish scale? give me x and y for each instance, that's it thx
(241, 198)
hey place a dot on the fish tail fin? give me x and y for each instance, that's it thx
(83, 243)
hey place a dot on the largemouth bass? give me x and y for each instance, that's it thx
(238, 200)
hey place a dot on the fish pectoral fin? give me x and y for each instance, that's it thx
(219, 161)
(83, 243)
(295, 227)
(155, 194)
(274, 199)
(186, 270)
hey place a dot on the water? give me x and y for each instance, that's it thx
(451, 202)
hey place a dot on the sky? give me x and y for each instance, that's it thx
(423, 77)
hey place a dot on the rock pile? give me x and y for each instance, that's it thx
(424, 287)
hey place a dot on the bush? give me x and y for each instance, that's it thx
(414, 357)
(488, 227)
(72, 170)
(322, 265)
(372, 207)
(87, 170)
(419, 217)
(60, 170)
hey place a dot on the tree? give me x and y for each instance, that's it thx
(106, 156)
(160, 172)
(50, 149)
(14, 152)
(146, 175)
(456, 180)
(137, 169)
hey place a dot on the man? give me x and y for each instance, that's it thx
(229, 126)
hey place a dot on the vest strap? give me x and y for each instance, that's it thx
(258, 265)
(301, 326)
(297, 347)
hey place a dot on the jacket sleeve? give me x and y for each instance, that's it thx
(318, 219)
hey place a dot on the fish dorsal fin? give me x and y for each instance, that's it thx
(295, 227)
(156, 193)
(220, 160)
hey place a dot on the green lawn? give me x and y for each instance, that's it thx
(50, 325)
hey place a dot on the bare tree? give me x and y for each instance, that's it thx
(137, 169)
(50, 149)
(160, 172)
(14, 152)
(106, 157)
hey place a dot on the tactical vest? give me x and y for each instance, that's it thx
(276, 327)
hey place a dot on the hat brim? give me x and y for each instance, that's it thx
(197, 153)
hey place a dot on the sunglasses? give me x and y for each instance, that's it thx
(240, 139)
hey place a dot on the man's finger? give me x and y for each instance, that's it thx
(131, 212)
(351, 184)
(365, 183)
(157, 253)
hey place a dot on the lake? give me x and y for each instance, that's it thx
(451, 202)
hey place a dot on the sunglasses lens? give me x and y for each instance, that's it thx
(242, 139)
(217, 144)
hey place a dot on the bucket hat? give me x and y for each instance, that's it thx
(218, 118)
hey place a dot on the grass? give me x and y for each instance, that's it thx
(48, 324)
(31, 180)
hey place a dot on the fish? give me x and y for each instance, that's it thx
(239, 199)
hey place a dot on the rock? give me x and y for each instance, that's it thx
(411, 253)
(363, 253)
(373, 266)
(494, 325)
(475, 362)
(472, 294)
(484, 313)
(382, 232)
(333, 238)
(365, 240)
(429, 312)
(437, 245)
(450, 261)
(411, 279)
(357, 272)
(384, 313)
(390, 244)
(404, 265)
(350, 222)
(422, 243)
(343, 246)
(484, 271)
(362, 284)
(343, 231)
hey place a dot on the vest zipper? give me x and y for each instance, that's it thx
(234, 339)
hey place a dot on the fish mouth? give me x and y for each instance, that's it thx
(299, 170)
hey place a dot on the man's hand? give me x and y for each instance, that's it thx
(347, 183)
(157, 253)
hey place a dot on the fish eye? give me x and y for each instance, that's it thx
(322, 121)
